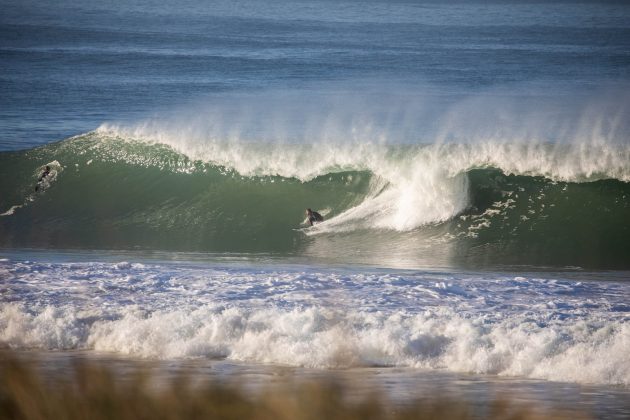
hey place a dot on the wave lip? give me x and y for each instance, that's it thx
(413, 185)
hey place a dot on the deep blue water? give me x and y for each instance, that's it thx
(66, 67)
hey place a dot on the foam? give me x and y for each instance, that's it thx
(12, 210)
(52, 328)
(585, 352)
(579, 161)
(331, 128)
(513, 326)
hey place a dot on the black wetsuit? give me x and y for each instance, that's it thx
(315, 217)
(44, 175)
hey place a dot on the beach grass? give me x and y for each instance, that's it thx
(94, 391)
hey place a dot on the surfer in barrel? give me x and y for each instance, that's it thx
(313, 217)
(42, 177)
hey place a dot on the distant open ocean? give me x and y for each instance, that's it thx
(471, 161)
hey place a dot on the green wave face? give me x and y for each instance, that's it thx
(155, 198)
(533, 220)
(113, 193)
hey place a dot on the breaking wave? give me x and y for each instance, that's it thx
(514, 202)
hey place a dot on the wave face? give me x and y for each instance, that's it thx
(475, 203)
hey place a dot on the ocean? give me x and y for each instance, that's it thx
(471, 161)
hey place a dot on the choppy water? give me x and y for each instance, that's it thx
(543, 327)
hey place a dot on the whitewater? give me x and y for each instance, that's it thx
(546, 328)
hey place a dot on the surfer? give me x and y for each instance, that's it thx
(42, 177)
(313, 216)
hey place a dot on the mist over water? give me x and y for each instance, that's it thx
(378, 111)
